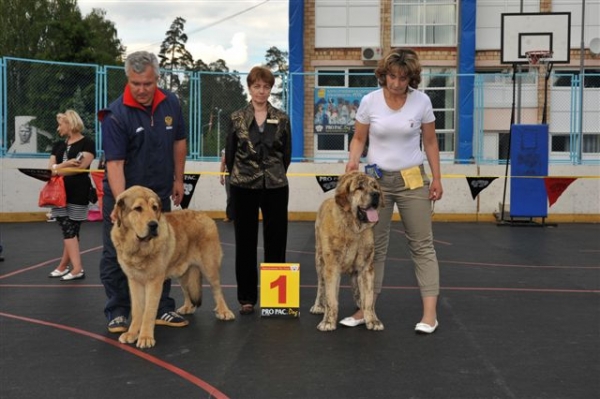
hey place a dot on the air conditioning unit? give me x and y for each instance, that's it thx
(371, 53)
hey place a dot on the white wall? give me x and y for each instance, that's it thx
(19, 193)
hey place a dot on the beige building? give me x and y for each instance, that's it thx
(343, 39)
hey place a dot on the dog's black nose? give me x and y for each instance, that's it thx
(375, 199)
(153, 227)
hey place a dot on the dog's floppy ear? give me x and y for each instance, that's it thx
(342, 192)
(118, 210)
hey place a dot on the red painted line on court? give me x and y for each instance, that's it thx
(26, 269)
(389, 287)
(483, 264)
(550, 290)
(212, 391)
(507, 289)
(443, 262)
(77, 285)
(519, 266)
(341, 286)
(36, 266)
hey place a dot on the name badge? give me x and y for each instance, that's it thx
(273, 121)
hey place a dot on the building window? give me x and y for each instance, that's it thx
(440, 87)
(347, 78)
(424, 22)
(347, 23)
(564, 78)
(564, 143)
(338, 94)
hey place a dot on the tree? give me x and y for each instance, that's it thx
(173, 54)
(64, 35)
(221, 93)
(105, 47)
(54, 30)
(277, 60)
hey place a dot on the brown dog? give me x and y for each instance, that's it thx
(344, 244)
(153, 246)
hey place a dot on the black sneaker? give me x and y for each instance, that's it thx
(172, 319)
(118, 325)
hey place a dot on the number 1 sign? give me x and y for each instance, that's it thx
(280, 289)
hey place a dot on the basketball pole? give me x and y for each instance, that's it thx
(546, 77)
(581, 83)
(512, 122)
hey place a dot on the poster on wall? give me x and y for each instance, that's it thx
(25, 136)
(335, 108)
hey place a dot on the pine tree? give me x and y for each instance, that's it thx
(277, 60)
(173, 55)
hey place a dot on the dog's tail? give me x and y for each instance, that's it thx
(191, 283)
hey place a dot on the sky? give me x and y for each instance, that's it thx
(237, 31)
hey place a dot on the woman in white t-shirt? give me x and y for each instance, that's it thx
(396, 118)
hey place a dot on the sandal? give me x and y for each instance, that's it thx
(58, 273)
(247, 309)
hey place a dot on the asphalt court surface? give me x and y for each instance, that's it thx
(519, 315)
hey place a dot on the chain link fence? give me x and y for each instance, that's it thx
(33, 92)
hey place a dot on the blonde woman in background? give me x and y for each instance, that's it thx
(75, 151)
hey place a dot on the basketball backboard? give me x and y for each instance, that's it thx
(522, 32)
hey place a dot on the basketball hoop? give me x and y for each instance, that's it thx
(539, 59)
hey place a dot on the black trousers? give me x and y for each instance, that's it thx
(273, 203)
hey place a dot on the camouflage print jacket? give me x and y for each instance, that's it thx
(256, 159)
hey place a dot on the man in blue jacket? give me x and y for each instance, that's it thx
(144, 140)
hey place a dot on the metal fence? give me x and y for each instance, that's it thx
(33, 92)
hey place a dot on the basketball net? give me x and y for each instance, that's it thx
(540, 61)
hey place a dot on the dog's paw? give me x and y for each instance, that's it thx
(375, 325)
(186, 309)
(325, 326)
(127, 338)
(145, 342)
(224, 314)
(317, 309)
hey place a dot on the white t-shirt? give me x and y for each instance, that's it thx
(395, 136)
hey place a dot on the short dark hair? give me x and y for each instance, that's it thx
(260, 73)
(406, 60)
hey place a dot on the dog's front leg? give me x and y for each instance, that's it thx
(136, 292)
(332, 289)
(365, 281)
(319, 306)
(152, 298)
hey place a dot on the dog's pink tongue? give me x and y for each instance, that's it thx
(372, 215)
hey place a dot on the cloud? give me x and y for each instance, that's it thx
(235, 55)
(237, 31)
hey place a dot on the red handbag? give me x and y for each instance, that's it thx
(53, 194)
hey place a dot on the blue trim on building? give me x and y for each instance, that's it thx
(466, 79)
(296, 44)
